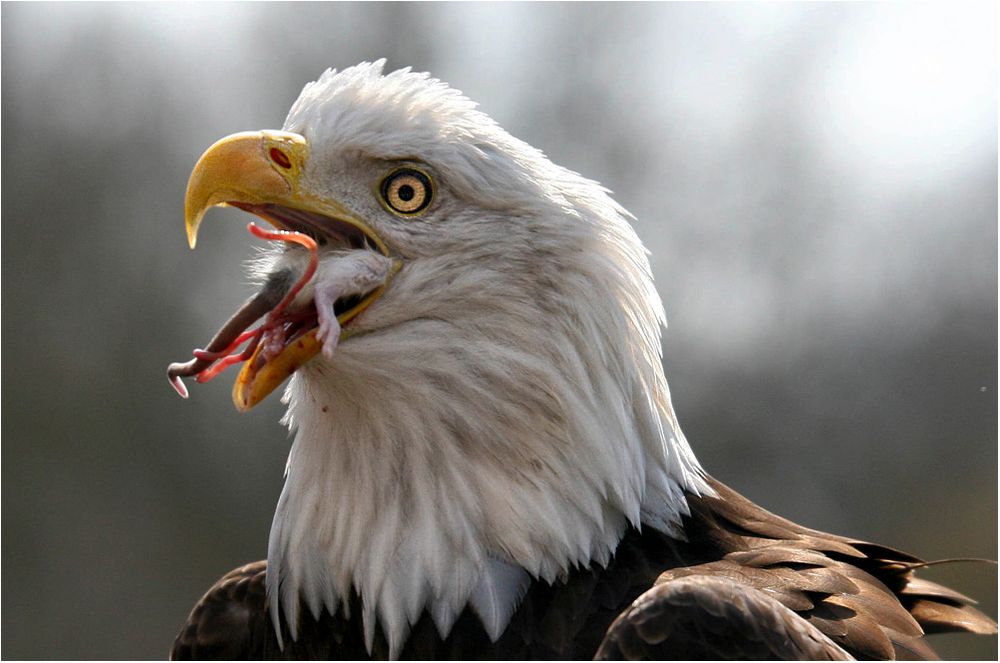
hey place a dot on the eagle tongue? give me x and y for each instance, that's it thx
(257, 306)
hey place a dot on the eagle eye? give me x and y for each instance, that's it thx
(407, 191)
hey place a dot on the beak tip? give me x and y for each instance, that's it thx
(191, 224)
(241, 399)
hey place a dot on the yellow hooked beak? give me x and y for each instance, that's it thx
(260, 173)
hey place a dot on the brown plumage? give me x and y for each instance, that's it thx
(747, 584)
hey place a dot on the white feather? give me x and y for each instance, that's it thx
(500, 588)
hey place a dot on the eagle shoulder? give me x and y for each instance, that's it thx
(232, 622)
(227, 619)
(706, 617)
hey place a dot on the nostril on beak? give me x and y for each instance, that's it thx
(280, 158)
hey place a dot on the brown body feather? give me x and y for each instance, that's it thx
(746, 584)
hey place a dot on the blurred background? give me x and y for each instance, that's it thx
(816, 183)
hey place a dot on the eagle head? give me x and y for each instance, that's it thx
(473, 339)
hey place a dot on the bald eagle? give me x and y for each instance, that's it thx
(486, 462)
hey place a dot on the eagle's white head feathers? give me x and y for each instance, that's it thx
(500, 412)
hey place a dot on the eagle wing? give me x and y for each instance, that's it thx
(863, 597)
(705, 617)
(754, 585)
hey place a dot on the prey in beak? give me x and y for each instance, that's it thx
(336, 267)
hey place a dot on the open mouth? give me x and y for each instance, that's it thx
(323, 229)
(286, 336)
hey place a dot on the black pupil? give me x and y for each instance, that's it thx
(406, 192)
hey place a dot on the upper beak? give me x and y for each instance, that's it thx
(255, 167)
(257, 171)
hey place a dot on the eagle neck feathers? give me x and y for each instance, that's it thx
(472, 452)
